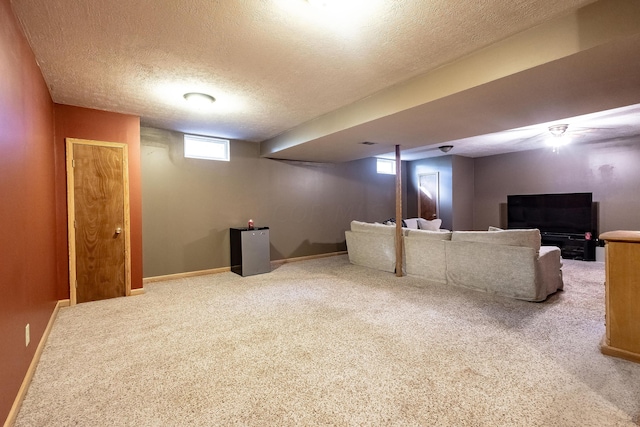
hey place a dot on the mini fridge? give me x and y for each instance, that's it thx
(250, 252)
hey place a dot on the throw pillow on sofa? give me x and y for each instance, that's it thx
(433, 225)
(411, 223)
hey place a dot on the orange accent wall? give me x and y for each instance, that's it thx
(84, 123)
(33, 217)
(27, 207)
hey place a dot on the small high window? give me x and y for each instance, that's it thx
(203, 147)
(386, 166)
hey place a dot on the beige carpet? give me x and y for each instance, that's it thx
(324, 342)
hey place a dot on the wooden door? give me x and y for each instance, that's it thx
(428, 196)
(98, 220)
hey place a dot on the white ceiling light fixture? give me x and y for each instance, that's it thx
(350, 4)
(558, 130)
(558, 136)
(199, 100)
(318, 3)
(445, 148)
(344, 12)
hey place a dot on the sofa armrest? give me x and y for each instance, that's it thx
(372, 250)
(425, 258)
(549, 271)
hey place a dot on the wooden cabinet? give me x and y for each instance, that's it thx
(622, 295)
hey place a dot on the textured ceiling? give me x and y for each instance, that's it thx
(272, 65)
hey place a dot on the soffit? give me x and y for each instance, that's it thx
(595, 92)
(557, 72)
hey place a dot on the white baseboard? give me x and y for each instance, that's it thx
(227, 269)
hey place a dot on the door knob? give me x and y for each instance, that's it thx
(118, 230)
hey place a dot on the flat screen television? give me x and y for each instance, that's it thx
(569, 213)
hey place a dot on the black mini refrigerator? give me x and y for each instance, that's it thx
(250, 252)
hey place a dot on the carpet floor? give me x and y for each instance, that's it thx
(324, 342)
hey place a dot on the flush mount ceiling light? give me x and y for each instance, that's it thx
(558, 130)
(318, 3)
(445, 148)
(559, 137)
(345, 8)
(199, 100)
(368, 143)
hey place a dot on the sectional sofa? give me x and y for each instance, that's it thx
(505, 262)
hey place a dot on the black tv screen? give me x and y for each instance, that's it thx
(569, 213)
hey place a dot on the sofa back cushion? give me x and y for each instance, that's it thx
(522, 238)
(368, 227)
(429, 235)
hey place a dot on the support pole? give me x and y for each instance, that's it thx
(398, 213)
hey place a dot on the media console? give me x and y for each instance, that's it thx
(566, 220)
(572, 246)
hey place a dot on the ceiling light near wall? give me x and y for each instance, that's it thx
(326, 3)
(199, 100)
(346, 19)
(558, 130)
(348, 7)
(558, 136)
(445, 148)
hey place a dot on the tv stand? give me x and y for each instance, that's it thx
(572, 246)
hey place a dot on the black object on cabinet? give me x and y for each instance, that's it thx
(250, 250)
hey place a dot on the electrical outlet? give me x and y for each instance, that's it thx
(27, 336)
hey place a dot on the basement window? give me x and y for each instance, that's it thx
(204, 147)
(386, 166)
